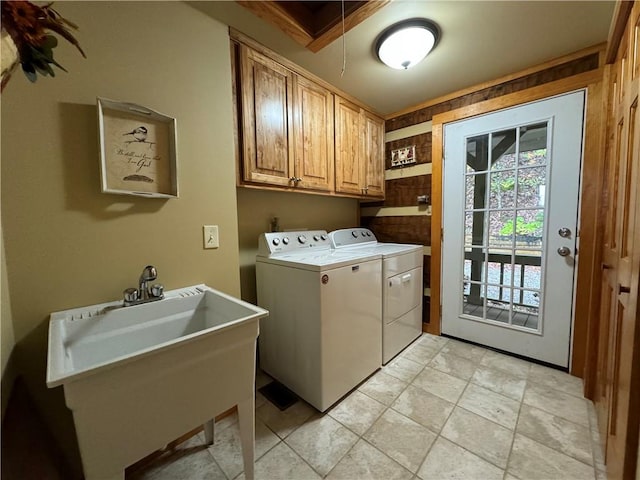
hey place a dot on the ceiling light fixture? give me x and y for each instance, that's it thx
(406, 43)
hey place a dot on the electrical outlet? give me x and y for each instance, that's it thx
(210, 236)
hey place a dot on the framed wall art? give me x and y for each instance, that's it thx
(137, 150)
(403, 156)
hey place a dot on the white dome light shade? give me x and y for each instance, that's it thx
(405, 44)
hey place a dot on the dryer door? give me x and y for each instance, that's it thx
(403, 292)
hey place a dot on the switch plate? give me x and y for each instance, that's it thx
(210, 236)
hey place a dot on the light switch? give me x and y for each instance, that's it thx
(210, 236)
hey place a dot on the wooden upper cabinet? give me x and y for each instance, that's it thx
(373, 155)
(296, 132)
(359, 150)
(313, 136)
(267, 140)
(349, 147)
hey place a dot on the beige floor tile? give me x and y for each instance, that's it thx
(506, 363)
(322, 442)
(555, 432)
(464, 350)
(531, 460)
(428, 339)
(490, 405)
(556, 379)
(364, 461)
(558, 403)
(404, 440)
(479, 435)
(453, 365)
(441, 384)
(448, 461)
(421, 353)
(188, 460)
(284, 422)
(423, 407)
(500, 382)
(403, 369)
(357, 412)
(227, 449)
(282, 463)
(383, 387)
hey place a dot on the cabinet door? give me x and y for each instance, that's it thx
(266, 119)
(373, 155)
(349, 138)
(313, 135)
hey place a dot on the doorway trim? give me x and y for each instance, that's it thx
(590, 188)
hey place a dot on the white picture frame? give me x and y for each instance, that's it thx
(137, 150)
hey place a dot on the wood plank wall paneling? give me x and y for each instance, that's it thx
(574, 67)
(415, 229)
(422, 143)
(403, 192)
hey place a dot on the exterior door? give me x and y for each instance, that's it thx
(510, 203)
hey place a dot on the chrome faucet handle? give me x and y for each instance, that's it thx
(130, 295)
(157, 290)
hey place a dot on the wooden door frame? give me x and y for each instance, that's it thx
(590, 188)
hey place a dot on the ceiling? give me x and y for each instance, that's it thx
(481, 41)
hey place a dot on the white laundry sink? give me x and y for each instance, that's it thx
(138, 377)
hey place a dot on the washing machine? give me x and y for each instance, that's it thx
(324, 334)
(402, 285)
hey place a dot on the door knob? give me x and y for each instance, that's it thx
(564, 232)
(564, 251)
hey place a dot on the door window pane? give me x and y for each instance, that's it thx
(530, 181)
(533, 145)
(478, 153)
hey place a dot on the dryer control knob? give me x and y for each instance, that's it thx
(323, 237)
(355, 234)
(302, 239)
(316, 238)
(363, 234)
(285, 240)
(276, 241)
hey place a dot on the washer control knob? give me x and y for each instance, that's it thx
(276, 241)
(316, 238)
(302, 239)
(285, 240)
(355, 234)
(368, 234)
(363, 234)
(323, 237)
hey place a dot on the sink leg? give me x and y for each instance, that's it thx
(209, 431)
(246, 418)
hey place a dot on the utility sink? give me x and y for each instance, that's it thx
(138, 377)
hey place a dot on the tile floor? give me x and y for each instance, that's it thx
(443, 409)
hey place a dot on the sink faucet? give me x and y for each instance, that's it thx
(144, 293)
(149, 274)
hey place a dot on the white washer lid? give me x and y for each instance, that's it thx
(320, 260)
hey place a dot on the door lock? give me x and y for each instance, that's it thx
(564, 251)
(564, 232)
